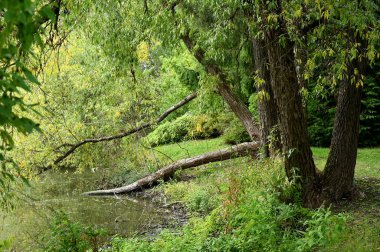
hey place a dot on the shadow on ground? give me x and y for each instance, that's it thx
(369, 202)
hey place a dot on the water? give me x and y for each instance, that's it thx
(61, 192)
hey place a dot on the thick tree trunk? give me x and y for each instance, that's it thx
(267, 106)
(338, 176)
(167, 172)
(296, 148)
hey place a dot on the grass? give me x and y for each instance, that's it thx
(367, 163)
(189, 148)
(363, 228)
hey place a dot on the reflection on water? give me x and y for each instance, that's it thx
(61, 192)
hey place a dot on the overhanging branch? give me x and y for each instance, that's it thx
(124, 134)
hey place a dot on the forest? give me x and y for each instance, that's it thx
(184, 125)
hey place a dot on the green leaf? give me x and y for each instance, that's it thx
(7, 138)
(30, 76)
(46, 11)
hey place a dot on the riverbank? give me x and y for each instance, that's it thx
(224, 205)
(217, 194)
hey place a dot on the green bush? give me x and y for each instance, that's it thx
(202, 200)
(321, 113)
(5, 245)
(187, 127)
(235, 133)
(67, 235)
(198, 198)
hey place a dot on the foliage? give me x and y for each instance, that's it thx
(67, 235)
(235, 133)
(75, 104)
(124, 63)
(188, 127)
(198, 198)
(21, 35)
(370, 118)
(250, 218)
(320, 121)
(321, 111)
(4, 244)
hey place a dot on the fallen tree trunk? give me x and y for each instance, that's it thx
(168, 171)
(127, 133)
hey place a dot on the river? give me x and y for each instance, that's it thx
(29, 222)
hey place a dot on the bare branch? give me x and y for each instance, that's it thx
(127, 133)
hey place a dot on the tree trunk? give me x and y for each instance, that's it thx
(338, 177)
(300, 53)
(240, 110)
(299, 162)
(167, 172)
(267, 106)
(234, 102)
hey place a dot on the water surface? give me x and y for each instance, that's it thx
(61, 192)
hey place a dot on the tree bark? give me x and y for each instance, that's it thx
(267, 106)
(167, 172)
(299, 162)
(338, 176)
(300, 53)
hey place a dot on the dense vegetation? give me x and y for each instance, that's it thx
(121, 89)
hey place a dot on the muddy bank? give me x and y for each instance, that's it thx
(175, 212)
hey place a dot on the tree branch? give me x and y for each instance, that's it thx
(124, 134)
(168, 171)
(233, 101)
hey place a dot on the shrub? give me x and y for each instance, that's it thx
(5, 245)
(187, 127)
(321, 113)
(198, 198)
(235, 133)
(67, 235)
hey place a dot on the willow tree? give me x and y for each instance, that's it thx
(216, 33)
(236, 41)
(349, 52)
(135, 22)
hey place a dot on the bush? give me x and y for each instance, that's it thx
(198, 198)
(187, 127)
(235, 133)
(321, 113)
(67, 235)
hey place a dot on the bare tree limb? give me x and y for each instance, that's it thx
(124, 134)
(168, 171)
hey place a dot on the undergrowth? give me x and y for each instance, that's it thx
(67, 235)
(248, 215)
(188, 127)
